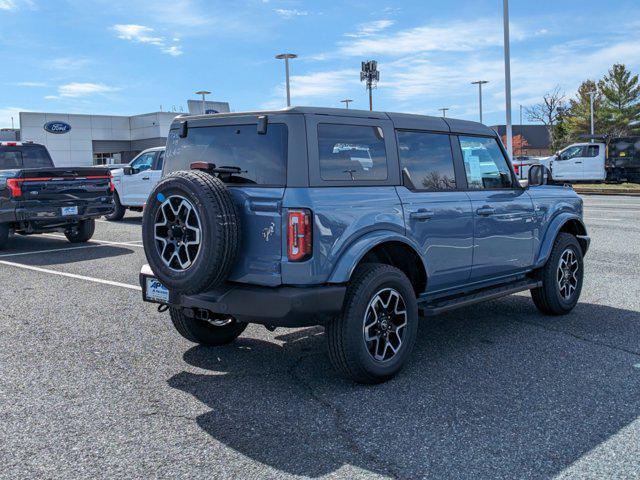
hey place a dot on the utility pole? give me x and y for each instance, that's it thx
(286, 57)
(591, 94)
(480, 83)
(507, 76)
(12, 127)
(444, 112)
(346, 102)
(371, 76)
(204, 93)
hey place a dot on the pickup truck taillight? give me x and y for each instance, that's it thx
(15, 186)
(299, 235)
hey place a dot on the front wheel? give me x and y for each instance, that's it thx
(81, 232)
(372, 339)
(561, 276)
(212, 332)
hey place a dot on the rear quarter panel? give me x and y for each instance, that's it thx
(342, 216)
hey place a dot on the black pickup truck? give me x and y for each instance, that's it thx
(37, 197)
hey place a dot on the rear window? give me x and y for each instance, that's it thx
(351, 152)
(24, 156)
(261, 158)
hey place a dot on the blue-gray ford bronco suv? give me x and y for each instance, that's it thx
(353, 220)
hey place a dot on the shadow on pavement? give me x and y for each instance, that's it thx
(496, 390)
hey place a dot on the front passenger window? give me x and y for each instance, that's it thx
(485, 165)
(144, 161)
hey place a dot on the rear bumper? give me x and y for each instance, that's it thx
(273, 306)
(43, 215)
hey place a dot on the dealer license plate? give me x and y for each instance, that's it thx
(155, 291)
(69, 211)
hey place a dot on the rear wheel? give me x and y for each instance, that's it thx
(119, 209)
(561, 276)
(4, 235)
(372, 339)
(81, 232)
(211, 332)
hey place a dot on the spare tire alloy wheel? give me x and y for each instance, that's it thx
(177, 233)
(384, 324)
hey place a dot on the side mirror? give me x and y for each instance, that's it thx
(538, 175)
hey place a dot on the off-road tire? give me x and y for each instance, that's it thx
(4, 235)
(82, 231)
(547, 297)
(119, 209)
(204, 333)
(347, 349)
(220, 231)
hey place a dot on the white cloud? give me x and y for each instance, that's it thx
(67, 63)
(370, 29)
(290, 13)
(31, 84)
(8, 5)
(143, 34)
(137, 33)
(454, 37)
(77, 89)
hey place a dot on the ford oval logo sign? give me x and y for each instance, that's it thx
(57, 127)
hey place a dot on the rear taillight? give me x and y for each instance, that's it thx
(516, 168)
(112, 187)
(299, 235)
(15, 186)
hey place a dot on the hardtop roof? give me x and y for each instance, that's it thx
(407, 121)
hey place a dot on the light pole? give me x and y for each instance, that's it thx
(444, 112)
(286, 57)
(204, 93)
(480, 83)
(370, 74)
(507, 75)
(591, 94)
(346, 102)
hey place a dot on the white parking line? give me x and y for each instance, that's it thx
(51, 250)
(72, 275)
(133, 243)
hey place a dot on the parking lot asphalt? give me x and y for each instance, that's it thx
(96, 384)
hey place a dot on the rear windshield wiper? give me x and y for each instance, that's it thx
(226, 171)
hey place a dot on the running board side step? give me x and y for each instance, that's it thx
(444, 305)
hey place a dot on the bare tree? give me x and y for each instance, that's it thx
(548, 112)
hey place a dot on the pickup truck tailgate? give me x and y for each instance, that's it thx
(62, 185)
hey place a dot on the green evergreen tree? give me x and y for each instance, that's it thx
(621, 101)
(578, 114)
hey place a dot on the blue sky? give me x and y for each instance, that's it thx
(131, 56)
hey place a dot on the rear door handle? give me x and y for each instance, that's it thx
(486, 211)
(578, 162)
(422, 214)
(145, 178)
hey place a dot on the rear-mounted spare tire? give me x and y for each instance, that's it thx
(191, 231)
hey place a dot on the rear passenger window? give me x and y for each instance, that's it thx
(351, 152)
(593, 150)
(485, 165)
(426, 160)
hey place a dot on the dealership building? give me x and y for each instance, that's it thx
(80, 140)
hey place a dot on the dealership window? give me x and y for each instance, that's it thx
(426, 161)
(485, 165)
(351, 152)
(107, 158)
